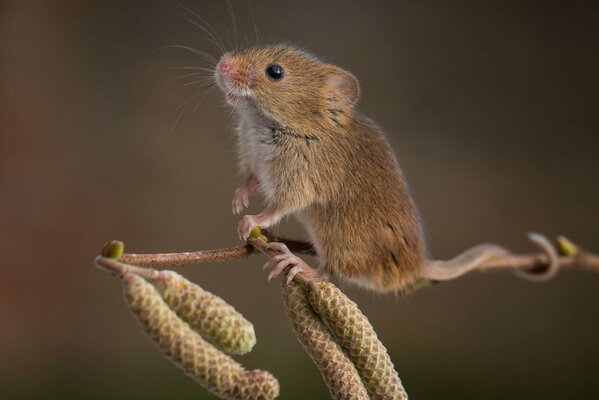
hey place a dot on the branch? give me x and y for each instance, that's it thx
(532, 266)
(203, 256)
(537, 267)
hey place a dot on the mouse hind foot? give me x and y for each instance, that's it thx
(295, 265)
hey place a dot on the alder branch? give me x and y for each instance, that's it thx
(567, 255)
(535, 266)
(203, 256)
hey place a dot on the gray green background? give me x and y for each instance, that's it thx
(492, 108)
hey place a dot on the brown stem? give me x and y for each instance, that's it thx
(587, 260)
(119, 268)
(203, 256)
(533, 263)
(538, 261)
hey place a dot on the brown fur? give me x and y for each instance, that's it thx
(327, 164)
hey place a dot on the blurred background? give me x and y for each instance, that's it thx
(492, 108)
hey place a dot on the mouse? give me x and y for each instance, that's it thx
(302, 144)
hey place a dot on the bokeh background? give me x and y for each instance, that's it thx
(492, 108)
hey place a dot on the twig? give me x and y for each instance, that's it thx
(571, 257)
(538, 261)
(534, 266)
(203, 256)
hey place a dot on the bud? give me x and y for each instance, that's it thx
(113, 249)
(566, 246)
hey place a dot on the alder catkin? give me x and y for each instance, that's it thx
(338, 371)
(213, 369)
(359, 340)
(211, 316)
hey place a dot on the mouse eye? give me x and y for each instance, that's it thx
(274, 72)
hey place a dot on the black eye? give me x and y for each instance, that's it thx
(274, 72)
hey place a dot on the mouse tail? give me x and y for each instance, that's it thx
(444, 270)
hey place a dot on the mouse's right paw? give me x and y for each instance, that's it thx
(241, 199)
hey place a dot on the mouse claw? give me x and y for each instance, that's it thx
(281, 261)
(306, 271)
(287, 260)
(247, 223)
(281, 265)
(271, 263)
(280, 247)
(293, 272)
(241, 200)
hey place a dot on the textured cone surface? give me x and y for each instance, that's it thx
(208, 314)
(336, 368)
(214, 370)
(359, 340)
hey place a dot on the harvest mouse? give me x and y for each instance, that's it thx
(305, 147)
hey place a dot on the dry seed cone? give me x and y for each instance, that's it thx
(214, 370)
(359, 340)
(337, 370)
(208, 314)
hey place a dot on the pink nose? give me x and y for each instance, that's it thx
(225, 67)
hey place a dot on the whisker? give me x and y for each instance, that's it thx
(202, 83)
(210, 79)
(251, 11)
(229, 36)
(217, 45)
(207, 28)
(179, 115)
(206, 56)
(180, 77)
(232, 112)
(206, 93)
(194, 68)
(196, 15)
(181, 109)
(182, 105)
(233, 20)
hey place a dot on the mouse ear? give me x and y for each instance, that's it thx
(342, 89)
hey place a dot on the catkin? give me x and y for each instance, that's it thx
(213, 369)
(359, 340)
(211, 316)
(336, 368)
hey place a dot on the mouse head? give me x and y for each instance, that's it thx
(288, 85)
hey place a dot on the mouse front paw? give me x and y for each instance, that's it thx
(247, 223)
(241, 195)
(241, 199)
